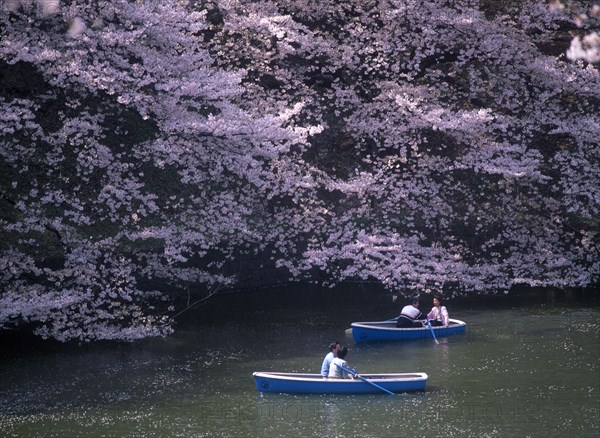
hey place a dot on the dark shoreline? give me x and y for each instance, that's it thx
(365, 298)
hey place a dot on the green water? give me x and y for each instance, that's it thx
(518, 371)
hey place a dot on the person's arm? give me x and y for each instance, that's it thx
(445, 316)
(348, 375)
(325, 366)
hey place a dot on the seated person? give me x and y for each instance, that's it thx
(439, 314)
(333, 349)
(410, 315)
(335, 372)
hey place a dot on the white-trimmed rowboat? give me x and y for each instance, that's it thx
(387, 331)
(298, 383)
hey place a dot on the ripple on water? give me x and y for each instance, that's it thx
(519, 380)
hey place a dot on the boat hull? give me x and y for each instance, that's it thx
(387, 331)
(295, 383)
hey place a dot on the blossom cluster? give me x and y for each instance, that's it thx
(419, 144)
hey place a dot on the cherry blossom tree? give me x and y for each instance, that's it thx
(585, 47)
(146, 145)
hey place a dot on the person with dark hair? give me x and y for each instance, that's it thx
(410, 315)
(439, 314)
(335, 370)
(333, 351)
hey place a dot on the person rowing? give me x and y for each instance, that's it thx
(339, 367)
(411, 316)
(439, 314)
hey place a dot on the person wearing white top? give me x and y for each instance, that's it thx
(439, 314)
(335, 369)
(333, 349)
(410, 315)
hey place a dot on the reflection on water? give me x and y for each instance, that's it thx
(530, 371)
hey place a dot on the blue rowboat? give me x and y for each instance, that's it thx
(387, 331)
(297, 383)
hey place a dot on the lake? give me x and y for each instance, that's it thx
(521, 369)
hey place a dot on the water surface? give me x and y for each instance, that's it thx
(528, 370)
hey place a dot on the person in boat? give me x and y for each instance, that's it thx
(411, 316)
(335, 370)
(333, 351)
(439, 314)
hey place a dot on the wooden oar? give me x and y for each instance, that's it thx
(432, 333)
(355, 374)
(349, 331)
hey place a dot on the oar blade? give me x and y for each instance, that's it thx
(432, 333)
